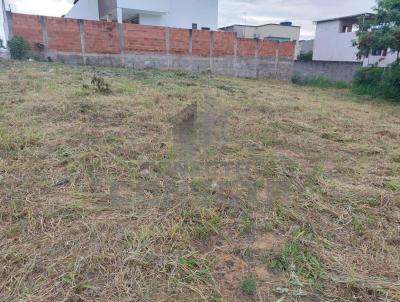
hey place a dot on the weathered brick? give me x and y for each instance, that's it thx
(247, 47)
(224, 43)
(144, 38)
(101, 37)
(201, 42)
(63, 34)
(28, 27)
(179, 40)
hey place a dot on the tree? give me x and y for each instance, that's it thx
(381, 30)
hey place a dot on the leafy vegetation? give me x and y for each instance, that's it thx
(18, 47)
(380, 31)
(249, 286)
(379, 82)
(320, 82)
(296, 258)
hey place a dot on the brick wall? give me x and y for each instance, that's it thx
(179, 40)
(286, 50)
(28, 27)
(224, 43)
(247, 47)
(201, 42)
(267, 48)
(104, 38)
(143, 38)
(63, 34)
(101, 37)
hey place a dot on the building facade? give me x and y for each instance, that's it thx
(283, 32)
(172, 13)
(3, 25)
(334, 40)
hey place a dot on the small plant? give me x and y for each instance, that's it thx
(320, 82)
(393, 186)
(249, 286)
(296, 258)
(19, 48)
(100, 85)
(247, 223)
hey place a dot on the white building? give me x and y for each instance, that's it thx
(3, 24)
(173, 13)
(334, 42)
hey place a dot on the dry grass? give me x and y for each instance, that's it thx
(260, 191)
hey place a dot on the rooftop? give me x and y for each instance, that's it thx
(276, 24)
(345, 17)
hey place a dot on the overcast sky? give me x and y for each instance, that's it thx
(254, 12)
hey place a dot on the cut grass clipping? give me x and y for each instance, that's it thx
(260, 191)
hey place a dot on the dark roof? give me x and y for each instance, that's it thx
(346, 17)
(257, 25)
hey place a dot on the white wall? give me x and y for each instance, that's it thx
(172, 13)
(85, 9)
(390, 58)
(331, 45)
(3, 28)
(175, 13)
(185, 12)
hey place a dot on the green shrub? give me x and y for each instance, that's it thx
(18, 47)
(249, 286)
(305, 57)
(319, 82)
(378, 82)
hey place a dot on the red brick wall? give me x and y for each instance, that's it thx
(247, 47)
(28, 27)
(144, 38)
(286, 50)
(267, 48)
(201, 42)
(224, 43)
(63, 34)
(101, 37)
(179, 40)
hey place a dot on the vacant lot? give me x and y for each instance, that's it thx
(185, 187)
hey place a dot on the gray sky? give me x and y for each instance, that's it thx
(254, 12)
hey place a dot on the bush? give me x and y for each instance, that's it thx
(319, 82)
(305, 57)
(378, 82)
(18, 47)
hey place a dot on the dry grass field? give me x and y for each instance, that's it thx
(194, 187)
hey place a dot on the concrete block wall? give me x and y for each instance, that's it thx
(140, 46)
(335, 71)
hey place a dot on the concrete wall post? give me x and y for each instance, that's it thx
(257, 56)
(121, 42)
(43, 24)
(9, 24)
(168, 46)
(235, 54)
(119, 15)
(277, 58)
(191, 49)
(82, 35)
(211, 50)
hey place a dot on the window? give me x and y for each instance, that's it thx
(376, 52)
(194, 25)
(205, 28)
(278, 39)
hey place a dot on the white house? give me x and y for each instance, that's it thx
(334, 42)
(195, 14)
(3, 25)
